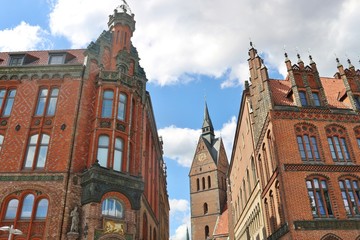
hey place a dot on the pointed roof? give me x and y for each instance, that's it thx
(207, 127)
(187, 234)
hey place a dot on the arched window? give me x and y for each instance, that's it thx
(112, 207)
(42, 208)
(209, 182)
(206, 231)
(145, 227)
(337, 142)
(36, 153)
(203, 183)
(197, 184)
(122, 106)
(107, 104)
(205, 208)
(118, 154)
(12, 209)
(28, 208)
(47, 102)
(306, 136)
(103, 150)
(319, 197)
(350, 193)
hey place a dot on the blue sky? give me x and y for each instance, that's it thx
(192, 50)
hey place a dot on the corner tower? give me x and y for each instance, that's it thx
(207, 181)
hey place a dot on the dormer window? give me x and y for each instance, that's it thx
(16, 60)
(56, 59)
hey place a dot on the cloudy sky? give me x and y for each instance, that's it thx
(194, 50)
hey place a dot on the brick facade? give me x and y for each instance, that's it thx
(305, 146)
(99, 151)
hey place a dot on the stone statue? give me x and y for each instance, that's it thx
(74, 220)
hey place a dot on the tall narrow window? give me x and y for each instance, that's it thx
(9, 102)
(37, 151)
(107, 104)
(42, 208)
(357, 135)
(253, 170)
(316, 99)
(103, 150)
(319, 197)
(205, 208)
(118, 154)
(12, 209)
(47, 102)
(121, 107)
(203, 183)
(307, 143)
(206, 231)
(209, 182)
(197, 184)
(27, 207)
(303, 99)
(357, 101)
(338, 148)
(350, 193)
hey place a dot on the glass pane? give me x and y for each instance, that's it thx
(312, 202)
(332, 149)
(12, 209)
(33, 139)
(42, 208)
(346, 203)
(344, 147)
(341, 184)
(307, 145)
(303, 99)
(30, 157)
(316, 183)
(118, 144)
(118, 211)
(327, 202)
(1, 141)
(102, 156)
(316, 99)
(308, 184)
(338, 149)
(104, 141)
(9, 103)
(320, 203)
(2, 96)
(348, 184)
(50, 111)
(117, 160)
(315, 148)
(108, 94)
(41, 102)
(55, 92)
(301, 147)
(27, 206)
(323, 185)
(42, 157)
(107, 104)
(121, 107)
(45, 139)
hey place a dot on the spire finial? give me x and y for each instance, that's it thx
(251, 43)
(310, 57)
(285, 54)
(349, 62)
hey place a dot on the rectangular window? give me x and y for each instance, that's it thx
(121, 107)
(9, 101)
(107, 104)
(319, 198)
(338, 149)
(303, 99)
(350, 194)
(316, 99)
(47, 102)
(308, 148)
(56, 59)
(16, 60)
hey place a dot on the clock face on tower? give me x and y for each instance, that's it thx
(201, 157)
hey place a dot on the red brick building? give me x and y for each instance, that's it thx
(208, 184)
(80, 156)
(306, 146)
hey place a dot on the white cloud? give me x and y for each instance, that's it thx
(180, 143)
(176, 39)
(23, 37)
(180, 211)
(178, 205)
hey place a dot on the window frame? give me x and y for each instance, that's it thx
(350, 190)
(7, 100)
(38, 147)
(338, 144)
(122, 106)
(17, 60)
(110, 152)
(320, 202)
(55, 56)
(46, 101)
(107, 103)
(107, 202)
(317, 101)
(307, 142)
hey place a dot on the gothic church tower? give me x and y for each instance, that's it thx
(207, 181)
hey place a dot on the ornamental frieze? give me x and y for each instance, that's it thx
(321, 168)
(316, 116)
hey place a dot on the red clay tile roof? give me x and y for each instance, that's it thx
(333, 87)
(42, 57)
(221, 227)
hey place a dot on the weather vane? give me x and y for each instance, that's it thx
(125, 7)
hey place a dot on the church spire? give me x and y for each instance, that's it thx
(207, 127)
